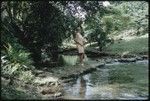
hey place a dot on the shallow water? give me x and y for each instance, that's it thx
(113, 81)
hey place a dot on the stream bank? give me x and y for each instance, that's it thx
(69, 72)
(49, 82)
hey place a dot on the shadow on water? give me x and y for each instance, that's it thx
(114, 81)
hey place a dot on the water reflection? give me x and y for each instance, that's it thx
(82, 88)
(70, 59)
(79, 89)
(122, 81)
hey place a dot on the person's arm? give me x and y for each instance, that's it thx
(78, 43)
(84, 41)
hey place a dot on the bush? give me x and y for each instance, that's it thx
(16, 62)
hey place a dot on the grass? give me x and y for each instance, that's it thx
(134, 46)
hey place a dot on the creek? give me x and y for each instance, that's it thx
(115, 80)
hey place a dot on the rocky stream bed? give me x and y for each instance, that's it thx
(48, 83)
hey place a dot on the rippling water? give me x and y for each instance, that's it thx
(113, 81)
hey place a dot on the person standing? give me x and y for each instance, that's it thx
(80, 42)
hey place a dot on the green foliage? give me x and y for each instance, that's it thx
(34, 28)
(120, 16)
(15, 59)
(137, 10)
(115, 23)
(41, 25)
(101, 24)
(15, 62)
(15, 55)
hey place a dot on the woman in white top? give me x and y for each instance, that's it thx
(80, 41)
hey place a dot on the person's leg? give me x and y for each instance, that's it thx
(79, 54)
(82, 57)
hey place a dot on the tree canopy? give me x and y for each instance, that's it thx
(43, 25)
